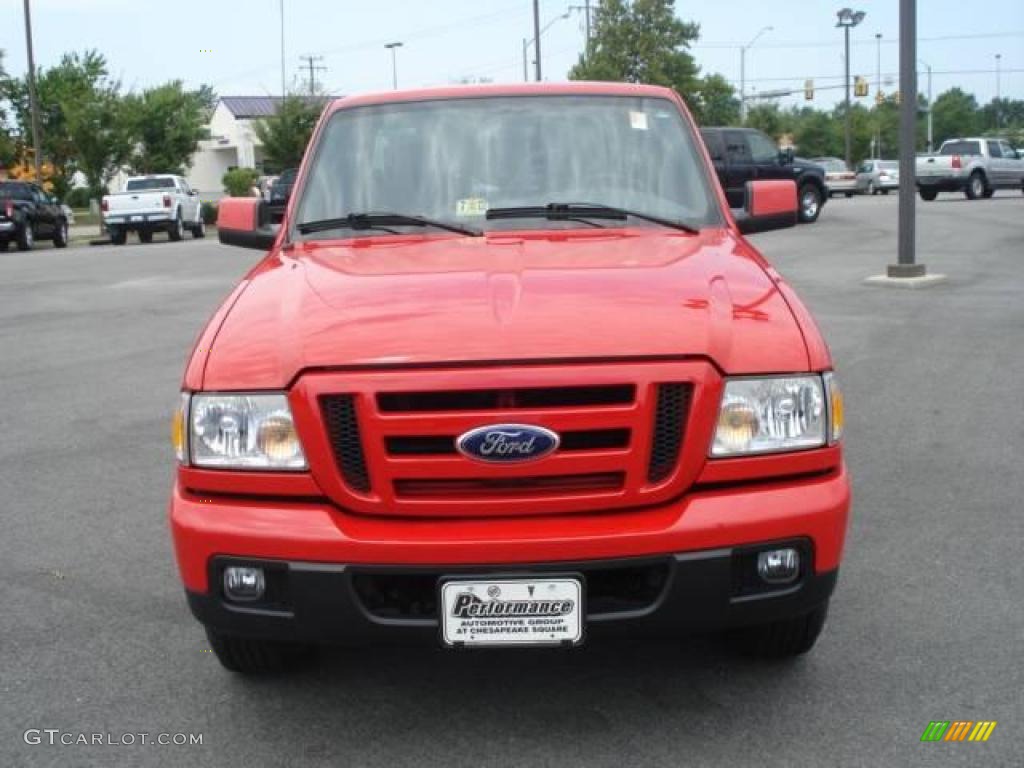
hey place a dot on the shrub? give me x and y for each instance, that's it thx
(209, 213)
(78, 197)
(238, 182)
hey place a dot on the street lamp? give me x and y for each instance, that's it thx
(528, 43)
(743, 72)
(848, 19)
(999, 72)
(878, 94)
(394, 63)
(928, 67)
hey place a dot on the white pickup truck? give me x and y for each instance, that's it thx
(160, 202)
(975, 166)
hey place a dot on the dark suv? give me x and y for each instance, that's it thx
(744, 154)
(28, 213)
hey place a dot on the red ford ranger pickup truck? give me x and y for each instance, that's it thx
(509, 374)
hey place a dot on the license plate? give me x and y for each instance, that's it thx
(512, 611)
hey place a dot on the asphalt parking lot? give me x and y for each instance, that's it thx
(927, 622)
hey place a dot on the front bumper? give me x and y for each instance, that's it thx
(324, 553)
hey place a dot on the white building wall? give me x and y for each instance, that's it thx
(232, 144)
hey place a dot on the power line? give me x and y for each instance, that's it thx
(804, 44)
(801, 78)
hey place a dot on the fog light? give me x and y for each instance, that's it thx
(778, 566)
(244, 584)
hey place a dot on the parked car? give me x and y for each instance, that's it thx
(281, 192)
(878, 176)
(28, 213)
(838, 177)
(455, 405)
(975, 166)
(744, 154)
(153, 203)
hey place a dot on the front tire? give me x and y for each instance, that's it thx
(810, 203)
(928, 194)
(781, 639)
(976, 186)
(26, 239)
(199, 230)
(60, 237)
(252, 656)
(177, 229)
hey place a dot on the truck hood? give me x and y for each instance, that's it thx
(586, 295)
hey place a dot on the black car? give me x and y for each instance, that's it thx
(745, 154)
(281, 192)
(27, 214)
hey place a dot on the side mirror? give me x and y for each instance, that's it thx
(245, 222)
(786, 156)
(768, 205)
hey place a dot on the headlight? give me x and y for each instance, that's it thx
(243, 432)
(768, 415)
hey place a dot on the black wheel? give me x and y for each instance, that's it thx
(928, 194)
(199, 230)
(177, 228)
(251, 656)
(3, 245)
(145, 236)
(810, 203)
(60, 236)
(781, 639)
(885, 191)
(118, 236)
(988, 193)
(26, 238)
(849, 194)
(976, 186)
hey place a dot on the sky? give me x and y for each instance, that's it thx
(235, 45)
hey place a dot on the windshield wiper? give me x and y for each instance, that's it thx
(568, 211)
(381, 221)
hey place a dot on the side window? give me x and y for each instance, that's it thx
(762, 149)
(736, 148)
(866, 167)
(713, 140)
(994, 149)
(1008, 151)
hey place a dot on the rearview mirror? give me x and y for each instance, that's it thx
(245, 222)
(768, 205)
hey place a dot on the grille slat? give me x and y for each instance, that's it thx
(444, 445)
(505, 399)
(671, 410)
(484, 487)
(343, 428)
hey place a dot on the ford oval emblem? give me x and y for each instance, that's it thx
(507, 443)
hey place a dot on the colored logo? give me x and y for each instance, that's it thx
(958, 730)
(507, 443)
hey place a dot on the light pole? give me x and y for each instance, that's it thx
(999, 60)
(394, 63)
(284, 87)
(536, 38)
(878, 91)
(929, 68)
(847, 20)
(528, 43)
(743, 73)
(33, 96)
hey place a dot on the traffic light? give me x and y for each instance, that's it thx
(860, 87)
(808, 89)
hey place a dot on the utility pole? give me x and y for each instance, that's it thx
(743, 73)
(33, 96)
(526, 70)
(284, 85)
(878, 91)
(536, 38)
(394, 64)
(311, 61)
(906, 265)
(929, 68)
(999, 61)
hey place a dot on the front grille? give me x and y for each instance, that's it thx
(669, 422)
(504, 399)
(343, 428)
(610, 588)
(393, 436)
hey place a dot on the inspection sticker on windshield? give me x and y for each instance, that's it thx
(503, 612)
(471, 206)
(638, 121)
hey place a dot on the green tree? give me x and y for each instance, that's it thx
(8, 148)
(716, 103)
(768, 118)
(641, 42)
(286, 134)
(814, 134)
(238, 182)
(167, 124)
(955, 113)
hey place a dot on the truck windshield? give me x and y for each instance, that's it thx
(137, 185)
(453, 160)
